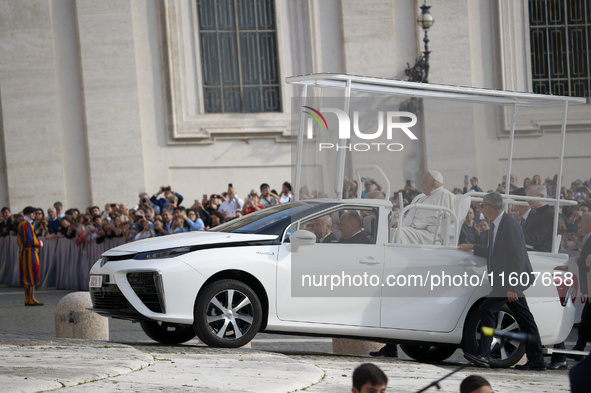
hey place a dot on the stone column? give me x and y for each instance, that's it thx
(109, 74)
(31, 161)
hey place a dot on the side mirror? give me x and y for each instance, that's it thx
(301, 238)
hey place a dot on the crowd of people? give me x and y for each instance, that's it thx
(569, 223)
(161, 214)
(476, 224)
(165, 213)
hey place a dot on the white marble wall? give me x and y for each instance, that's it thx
(32, 164)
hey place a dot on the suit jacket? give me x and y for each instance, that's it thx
(6, 227)
(509, 255)
(330, 238)
(538, 229)
(528, 219)
(583, 269)
(358, 238)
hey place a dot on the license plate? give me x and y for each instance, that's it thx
(96, 281)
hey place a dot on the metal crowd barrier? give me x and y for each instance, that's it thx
(64, 265)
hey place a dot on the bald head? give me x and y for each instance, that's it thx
(536, 191)
(322, 226)
(375, 194)
(350, 224)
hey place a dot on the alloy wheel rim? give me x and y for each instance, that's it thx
(230, 314)
(504, 349)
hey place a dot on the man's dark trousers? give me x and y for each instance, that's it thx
(488, 317)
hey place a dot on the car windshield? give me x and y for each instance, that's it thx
(270, 221)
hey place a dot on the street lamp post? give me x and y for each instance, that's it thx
(420, 71)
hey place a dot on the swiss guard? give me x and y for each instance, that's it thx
(28, 260)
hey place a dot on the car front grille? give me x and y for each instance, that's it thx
(148, 287)
(109, 297)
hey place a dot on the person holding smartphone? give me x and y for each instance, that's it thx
(162, 203)
(473, 184)
(409, 192)
(232, 206)
(267, 198)
(370, 184)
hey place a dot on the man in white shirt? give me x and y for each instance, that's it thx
(232, 206)
(419, 225)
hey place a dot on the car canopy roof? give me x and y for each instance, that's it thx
(383, 86)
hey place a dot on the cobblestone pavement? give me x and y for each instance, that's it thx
(18, 322)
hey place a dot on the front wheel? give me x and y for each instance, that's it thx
(228, 314)
(429, 353)
(167, 333)
(502, 353)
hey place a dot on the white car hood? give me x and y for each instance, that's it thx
(184, 239)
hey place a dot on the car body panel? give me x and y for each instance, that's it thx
(184, 239)
(431, 315)
(330, 308)
(426, 265)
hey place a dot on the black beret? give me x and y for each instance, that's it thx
(29, 210)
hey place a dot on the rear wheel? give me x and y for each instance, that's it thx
(429, 353)
(503, 353)
(228, 314)
(168, 333)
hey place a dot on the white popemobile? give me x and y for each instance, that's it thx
(265, 271)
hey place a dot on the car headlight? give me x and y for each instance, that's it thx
(161, 254)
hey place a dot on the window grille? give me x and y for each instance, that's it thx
(239, 58)
(560, 32)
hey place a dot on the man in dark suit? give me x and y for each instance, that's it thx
(506, 254)
(538, 229)
(322, 230)
(539, 225)
(584, 270)
(6, 222)
(351, 227)
(523, 210)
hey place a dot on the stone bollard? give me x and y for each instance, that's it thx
(73, 320)
(344, 346)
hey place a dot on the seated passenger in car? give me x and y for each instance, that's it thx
(351, 227)
(419, 225)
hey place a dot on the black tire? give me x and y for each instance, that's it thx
(429, 353)
(168, 333)
(502, 355)
(228, 314)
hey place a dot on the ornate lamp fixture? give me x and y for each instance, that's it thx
(420, 71)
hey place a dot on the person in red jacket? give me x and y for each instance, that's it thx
(28, 260)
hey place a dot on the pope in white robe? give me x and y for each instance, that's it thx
(419, 225)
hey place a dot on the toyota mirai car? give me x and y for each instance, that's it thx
(269, 272)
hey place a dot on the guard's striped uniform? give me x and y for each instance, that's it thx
(28, 260)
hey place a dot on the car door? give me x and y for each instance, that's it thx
(330, 282)
(427, 287)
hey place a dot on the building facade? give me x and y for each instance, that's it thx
(101, 100)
